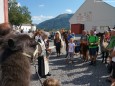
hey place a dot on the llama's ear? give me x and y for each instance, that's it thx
(11, 43)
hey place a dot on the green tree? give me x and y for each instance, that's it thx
(18, 14)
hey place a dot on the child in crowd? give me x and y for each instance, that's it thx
(51, 82)
(71, 49)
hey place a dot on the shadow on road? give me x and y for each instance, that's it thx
(79, 73)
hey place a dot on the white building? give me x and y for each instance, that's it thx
(94, 15)
(3, 11)
(27, 27)
(33, 27)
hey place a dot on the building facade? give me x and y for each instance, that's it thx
(94, 15)
(28, 27)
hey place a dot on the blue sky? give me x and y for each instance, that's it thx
(42, 10)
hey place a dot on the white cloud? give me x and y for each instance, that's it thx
(41, 5)
(41, 18)
(68, 11)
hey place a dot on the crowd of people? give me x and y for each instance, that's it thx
(88, 46)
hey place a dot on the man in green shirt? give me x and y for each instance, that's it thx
(93, 47)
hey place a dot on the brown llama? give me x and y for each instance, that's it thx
(5, 30)
(15, 64)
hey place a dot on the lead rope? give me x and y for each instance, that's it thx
(38, 74)
(29, 56)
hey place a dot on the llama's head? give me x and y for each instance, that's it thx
(22, 43)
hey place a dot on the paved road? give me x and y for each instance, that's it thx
(77, 74)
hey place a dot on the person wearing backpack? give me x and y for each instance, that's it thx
(93, 45)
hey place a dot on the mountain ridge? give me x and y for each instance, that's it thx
(61, 21)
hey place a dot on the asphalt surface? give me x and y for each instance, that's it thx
(77, 74)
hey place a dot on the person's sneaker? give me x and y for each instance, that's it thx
(91, 63)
